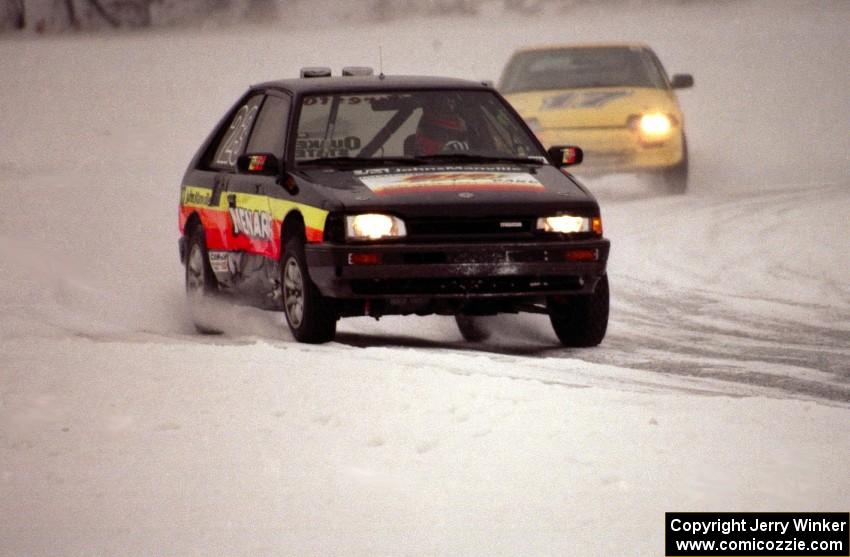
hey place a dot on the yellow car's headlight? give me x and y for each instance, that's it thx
(374, 226)
(655, 125)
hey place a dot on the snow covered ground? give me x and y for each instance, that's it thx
(723, 385)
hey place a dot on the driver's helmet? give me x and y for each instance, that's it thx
(441, 130)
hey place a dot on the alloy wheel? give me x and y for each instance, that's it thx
(293, 292)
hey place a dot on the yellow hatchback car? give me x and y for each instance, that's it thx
(614, 101)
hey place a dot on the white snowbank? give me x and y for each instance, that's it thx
(180, 446)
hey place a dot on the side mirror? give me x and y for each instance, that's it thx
(265, 164)
(682, 81)
(565, 155)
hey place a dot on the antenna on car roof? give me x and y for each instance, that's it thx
(381, 62)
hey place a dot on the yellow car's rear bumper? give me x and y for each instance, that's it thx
(615, 149)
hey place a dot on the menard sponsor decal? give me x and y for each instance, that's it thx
(256, 224)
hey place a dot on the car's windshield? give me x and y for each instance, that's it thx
(408, 126)
(577, 68)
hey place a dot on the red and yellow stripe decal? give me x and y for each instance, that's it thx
(222, 234)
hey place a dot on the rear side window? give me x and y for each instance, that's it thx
(232, 143)
(270, 130)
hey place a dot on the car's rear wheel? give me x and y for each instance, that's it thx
(471, 328)
(675, 178)
(581, 321)
(201, 284)
(311, 316)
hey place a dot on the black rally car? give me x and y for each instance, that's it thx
(327, 197)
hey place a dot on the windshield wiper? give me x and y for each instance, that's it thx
(466, 157)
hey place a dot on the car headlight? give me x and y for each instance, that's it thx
(374, 226)
(564, 224)
(655, 125)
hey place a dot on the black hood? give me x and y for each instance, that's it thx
(440, 190)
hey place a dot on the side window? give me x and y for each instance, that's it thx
(233, 141)
(270, 131)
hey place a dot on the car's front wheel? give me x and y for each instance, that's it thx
(201, 284)
(581, 321)
(311, 316)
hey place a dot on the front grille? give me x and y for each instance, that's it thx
(469, 229)
(607, 158)
(465, 286)
(494, 256)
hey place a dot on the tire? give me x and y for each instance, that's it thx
(582, 321)
(471, 328)
(311, 317)
(675, 178)
(201, 284)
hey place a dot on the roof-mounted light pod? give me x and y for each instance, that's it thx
(350, 71)
(317, 71)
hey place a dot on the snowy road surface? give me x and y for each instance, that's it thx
(724, 382)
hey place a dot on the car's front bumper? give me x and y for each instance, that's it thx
(615, 149)
(469, 270)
